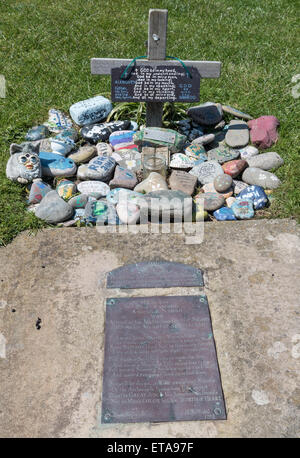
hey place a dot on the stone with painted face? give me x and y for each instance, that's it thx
(24, 163)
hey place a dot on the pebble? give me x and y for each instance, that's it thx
(37, 133)
(84, 154)
(69, 133)
(181, 161)
(237, 135)
(182, 181)
(230, 201)
(211, 200)
(167, 204)
(62, 147)
(24, 163)
(222, 154)
(123, 178)
(53, 209)
(238, 186)
(224, 214)
(66, 189)
(204, 139)
(129, 159)
(266, 161)
(248, 151)
(209, 187)
(234, 168)
(100, 168)
(154, 136)
(153, 182)
(255, 176)
(243, 209)
(79, 201)
(207, 171)
(207, 114)
(55, 165)
(119, 194)
(104, 149)
(95, 188)
(196, 151)
(256, 194)
(128, 212)
(57, 121)
(90, 111)
(235, 112)
(121, 139)
(263, 131)
(96, 212)
(222, 183)
(100, 132)
(38, 190)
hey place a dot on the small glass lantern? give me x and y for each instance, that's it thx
(154, 164)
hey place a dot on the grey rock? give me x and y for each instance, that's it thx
(207, 171)
(211, 200)
(79, 201)
(222, 182)
(266, 161)
(207, 114)
(53, 209)
(166, 204)
(259, 177)
(237, 134)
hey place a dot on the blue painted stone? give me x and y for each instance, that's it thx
(121, 193)
(224, 214)
(62, 147)
(95, 133)
(121, 139)
(90, 111)
(70, 133)
(101, 212)
(57, 121)
(133, 126)
(37, 133)
(55, 165)
(256, 194)
(38, 190)
(243, 209)
(100, 168)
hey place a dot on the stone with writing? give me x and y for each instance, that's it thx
(123, 178)
(95, 188)
(155, 136)
(181, 161)
(182, 181)
(204, 139)
(100, 168)
(266, 161)
(55, 165)
(66, 189)
(243, 209)
(238, 186)
(248, 151)
(57, 121)
(207, 114)
(104, 149)
(95, 133)
(38, 191)
(69, 133)
(53, 209)
(128, 212)
(37, 133)
(256, 194)
(237, 135)
(235, 112)
(121, 139)
(167, 204)
(24, 164)
(222, 154)
(90, 111)
(211, 200)
(83, 154)
(153, 182)
(207, 171)
(118, 194)
(263, 131)
(223, 182)
(196, 151)
(234, 168)
(230, 201)
(224, 214)
(79, 201)
(259, 177)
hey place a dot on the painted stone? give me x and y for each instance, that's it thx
(222, 183)
(66, 134)
(129, 159)
(224, 214)
(37, 133)
(222, 154)
(237, 135)
(104, 149)
(38, 190)
(235, 112)
(55, 165)
(123, 178)
(266, 161)
(181, 161)
(66, 189)
(24, 164)
(84, 154)
(95, 133)
(57, 121)
(62, 147)
(207, 114)
(209, 187)
(133, 126)
(256, 194)
(248, 151)
(211, 200)
(207, 171)
(230, 201)
(121, 139)
(182, 181)
(154, 136)
(238, 186)
(95, 188)
(243, 209)
(197, 151)
(153, 182)
(96, 212)
(234, 168)
(204, 139)
(255, 176)
(128, 212)
(100, 168)
(53, 209)
(263, 131)
(79, 201)
(166, 204)
(90, 111)
(199, 214)
(118, 194)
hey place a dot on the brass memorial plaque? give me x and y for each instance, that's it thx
(160, 361)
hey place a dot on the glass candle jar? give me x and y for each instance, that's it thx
(154, 164)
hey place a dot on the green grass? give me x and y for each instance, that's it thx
(45, 51)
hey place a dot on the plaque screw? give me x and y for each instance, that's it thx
(155, 37)
(111, 302)
(217, 411)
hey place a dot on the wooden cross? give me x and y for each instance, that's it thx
(157, 42)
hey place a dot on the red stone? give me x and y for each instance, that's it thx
(234, 168)
(263, 131)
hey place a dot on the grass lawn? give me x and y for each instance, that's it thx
(45, 51)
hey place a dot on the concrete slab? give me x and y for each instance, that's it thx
(51, 378)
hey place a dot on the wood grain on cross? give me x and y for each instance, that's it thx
(157, 42)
